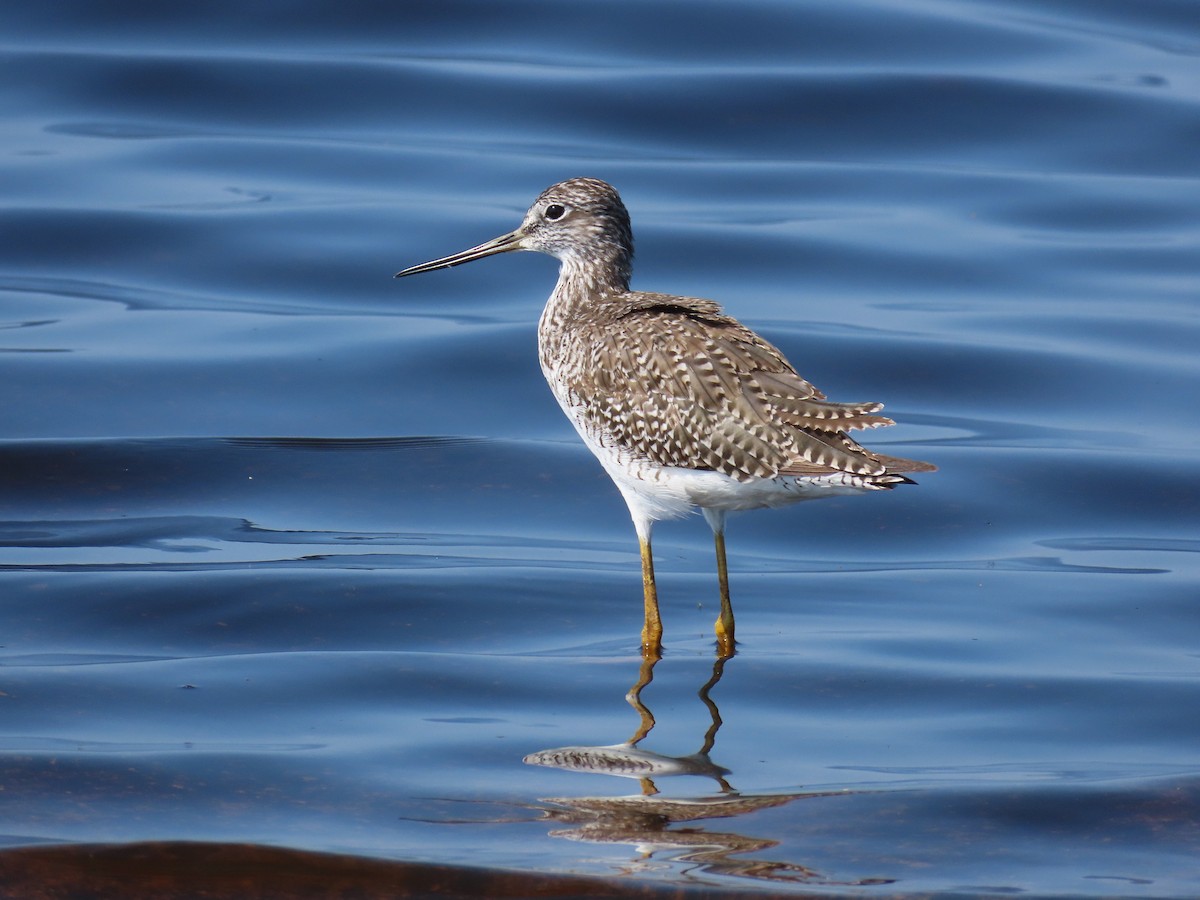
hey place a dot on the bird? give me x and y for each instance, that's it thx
(683, 405)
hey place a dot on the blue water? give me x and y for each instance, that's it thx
(292, 554)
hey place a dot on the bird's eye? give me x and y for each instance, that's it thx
(554, 211)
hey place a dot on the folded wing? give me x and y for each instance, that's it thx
(688, 386)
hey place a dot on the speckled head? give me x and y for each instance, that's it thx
(581, 222)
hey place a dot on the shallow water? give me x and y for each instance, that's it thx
(296, 555)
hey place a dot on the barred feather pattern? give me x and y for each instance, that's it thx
(673, 381)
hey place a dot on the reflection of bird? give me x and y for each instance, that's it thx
(651, 824)
(650, 821)
(628, 760)
(684, 406)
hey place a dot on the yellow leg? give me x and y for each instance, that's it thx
(724, 627)
(652, 627)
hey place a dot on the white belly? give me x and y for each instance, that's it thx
(655, 492)
(668, 492)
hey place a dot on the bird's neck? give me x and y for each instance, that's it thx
(582, 299)
(578, 298)
(583, 284)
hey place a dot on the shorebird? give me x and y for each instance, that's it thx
(684, 406)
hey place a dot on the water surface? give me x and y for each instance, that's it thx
(299, 557)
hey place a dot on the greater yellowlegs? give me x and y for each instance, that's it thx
(683, 405)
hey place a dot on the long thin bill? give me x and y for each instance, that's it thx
(502, 244)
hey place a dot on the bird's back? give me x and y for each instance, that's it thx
(677, 383)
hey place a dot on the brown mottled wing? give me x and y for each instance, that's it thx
(684, 385)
